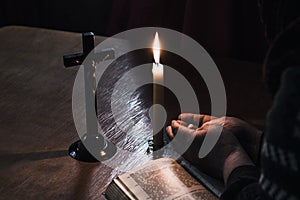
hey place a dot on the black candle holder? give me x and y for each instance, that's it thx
(152, 147)
(101, 148)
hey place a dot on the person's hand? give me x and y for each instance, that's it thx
(248, 136)
(226, 155)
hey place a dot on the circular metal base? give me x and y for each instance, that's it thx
(152, 147)
(104, 149)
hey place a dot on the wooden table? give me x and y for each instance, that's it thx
(37, 127)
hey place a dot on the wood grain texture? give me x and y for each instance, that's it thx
(36, 119)
(36, 123)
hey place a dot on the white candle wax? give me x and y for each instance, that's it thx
(158, 98)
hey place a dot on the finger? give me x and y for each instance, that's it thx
(170, 132)
(180, 128)
(190, 126)
(174, 127)
(183, 123)
(196, 119)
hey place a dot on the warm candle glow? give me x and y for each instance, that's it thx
(156, 48)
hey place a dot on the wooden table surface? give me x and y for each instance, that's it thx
(36, 123)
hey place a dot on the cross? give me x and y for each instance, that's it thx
(77, 150)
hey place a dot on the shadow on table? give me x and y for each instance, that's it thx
(32, 156)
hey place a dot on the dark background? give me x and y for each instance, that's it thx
(229, 28)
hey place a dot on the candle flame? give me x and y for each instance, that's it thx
(156, 48)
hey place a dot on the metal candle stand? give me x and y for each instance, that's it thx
(103, 148)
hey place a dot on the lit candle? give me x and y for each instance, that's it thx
(158, 94)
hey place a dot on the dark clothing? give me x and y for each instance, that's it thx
(279, 175)
(280, 172)
(242, 184)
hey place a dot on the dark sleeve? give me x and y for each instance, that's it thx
(243, 184)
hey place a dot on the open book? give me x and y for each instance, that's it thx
(163, 178)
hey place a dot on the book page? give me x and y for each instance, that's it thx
(164, 179)
(214, 185)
